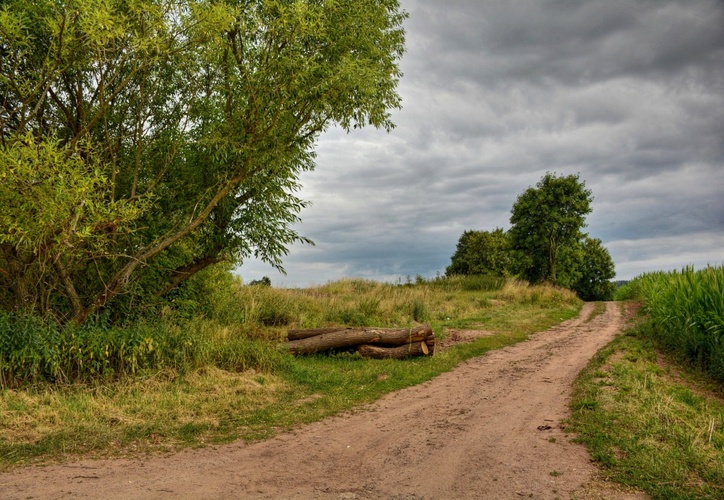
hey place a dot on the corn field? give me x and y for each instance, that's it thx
(686, 310)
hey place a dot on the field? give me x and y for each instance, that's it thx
(212, 370)
(223, 376)
(686, 314)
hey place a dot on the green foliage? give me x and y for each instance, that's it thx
(545, 242)
(597, 270)
(213, 320)
(686, 311)
(209, 293)
(264, 281)
(142, 141)
(546, 228)
(482, 252)
(33, 352)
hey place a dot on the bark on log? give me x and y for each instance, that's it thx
(356, 336)
(299, 334)
(405, 351)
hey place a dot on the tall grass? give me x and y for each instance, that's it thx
(686, 311)
(33, 351)
(221, 375)
(244, 327)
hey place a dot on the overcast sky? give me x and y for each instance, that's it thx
(628, 93)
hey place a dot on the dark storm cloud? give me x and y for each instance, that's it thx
(630, 94)
(570, 42)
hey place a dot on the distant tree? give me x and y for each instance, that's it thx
(142, 141)
(482, 252)
(546, 226)
(596, 272)
(264, 281)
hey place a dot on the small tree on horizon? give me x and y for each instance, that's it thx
(596, 272)
(482, 252)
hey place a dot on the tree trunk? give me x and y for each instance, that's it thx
(356, 336)
(299, 334)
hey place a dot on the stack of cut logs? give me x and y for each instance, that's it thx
(369, 342)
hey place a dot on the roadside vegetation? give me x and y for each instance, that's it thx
(213, 369)
(650, 406)
(686, 314)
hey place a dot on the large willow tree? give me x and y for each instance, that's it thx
(143, 140)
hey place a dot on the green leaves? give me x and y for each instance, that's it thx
(54, 197)
(145, 140)
(547, 220)
(686, 310)
(597, 270)
(545, 242)
(482, 252)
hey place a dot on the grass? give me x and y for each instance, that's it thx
(242, 387)
(651, 423)
(598, 309)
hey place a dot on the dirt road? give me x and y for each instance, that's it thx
(491, 428)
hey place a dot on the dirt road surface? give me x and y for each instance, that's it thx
(491, 428)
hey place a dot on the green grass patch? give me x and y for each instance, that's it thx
(598, 309)
(652, 424)
(243, 386)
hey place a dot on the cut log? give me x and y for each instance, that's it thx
(357, 336)
(405, 351)
(299, 334)
(425, 350)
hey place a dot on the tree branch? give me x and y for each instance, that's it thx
(122, 277)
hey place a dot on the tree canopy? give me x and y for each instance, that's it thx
(482, 252)
(545, 242)
(596, 272)
(547, 222)
(143, 140)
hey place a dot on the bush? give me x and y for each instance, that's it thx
(33, 351)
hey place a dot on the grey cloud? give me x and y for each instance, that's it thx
(630, 94)
(570, 42)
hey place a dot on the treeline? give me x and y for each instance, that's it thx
(545, 242)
